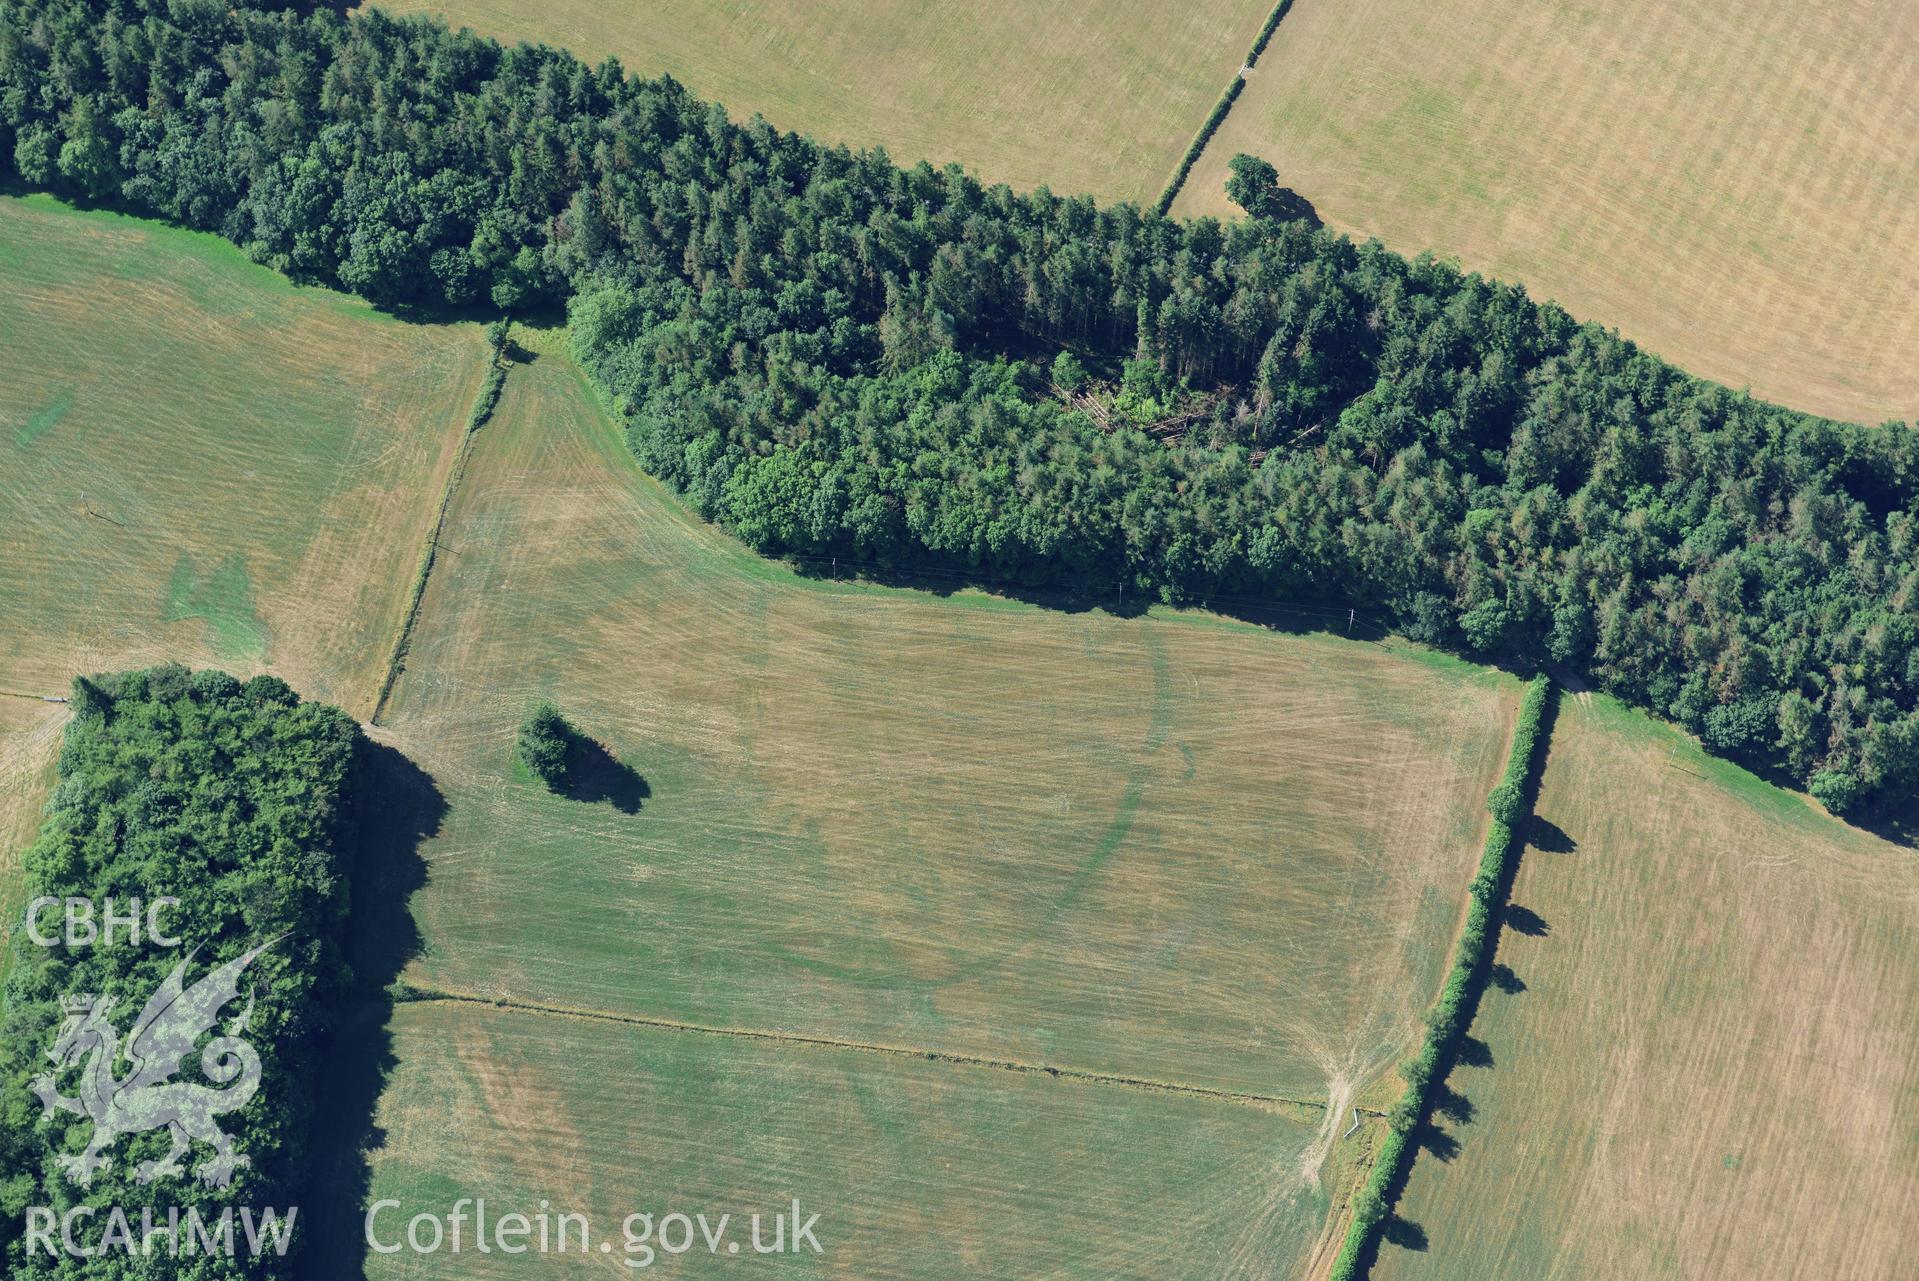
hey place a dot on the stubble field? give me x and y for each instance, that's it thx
(1176, 850)
(1081, 97)
(1175, 846)
(1734, 186)
(1709, 1063)
(967, 915)
(199, 462)
(916, 1168)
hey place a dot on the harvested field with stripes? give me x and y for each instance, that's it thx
(199, 462)
(1085, 98)
(1702, 1057)
(202, 462)
(1175, 847)
(1168, 862)
(914, 1167)
(1733, 186)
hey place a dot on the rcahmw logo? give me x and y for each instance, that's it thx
(89, 1050)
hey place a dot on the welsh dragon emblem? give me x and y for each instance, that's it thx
(147, 1098)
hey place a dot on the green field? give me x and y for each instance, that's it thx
(1172, 847)
(199, 462)
(916, 1169)
(1712, 1069)
(1185, 882)
(1733, 185)
(1080, 97)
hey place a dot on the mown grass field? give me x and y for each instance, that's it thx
(1734, 186)
(1081, 97)
(1712, 1069)
(917, 1169)
(1173, 847)
(200, 462)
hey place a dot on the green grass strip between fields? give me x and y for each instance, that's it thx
(1511, 804)
(1218, 114)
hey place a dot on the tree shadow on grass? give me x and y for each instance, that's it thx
(594, 774)
(1505, 980)
(1474, 1052)
(1438, 1142)
(1405, 1234)
(1289, 206)
(397, 807)
(1453, 1105)
(1548, 837)
(1526, 921)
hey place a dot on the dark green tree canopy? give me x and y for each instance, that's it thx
(232, 799)
(546, 744)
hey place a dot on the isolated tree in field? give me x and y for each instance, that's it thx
(1254, 187)
(1252, 183)
(546, 740)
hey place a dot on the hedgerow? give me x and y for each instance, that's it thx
(231, 798)
(1266, 31)
(1220, 109)
(1207, 129)
(489, 397)
(1450, 1017)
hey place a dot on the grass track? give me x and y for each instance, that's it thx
(1083, 96)
(1713, 1070)
(1735, 186)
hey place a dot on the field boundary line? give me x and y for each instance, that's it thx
(1221, 105)
(1511, 806)
(420, 995)
(476, 418)
(1340, 619)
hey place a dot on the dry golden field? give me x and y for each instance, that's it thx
(1712, 1069)
(204, 463)
(1734, 186)
(1081, 97)
(199, 462)
(1171, 847)
(909, 829)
